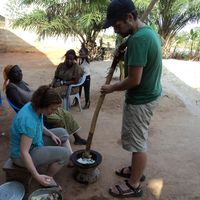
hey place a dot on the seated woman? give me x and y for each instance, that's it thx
(68, 72)
(19, 93)
(32, 145)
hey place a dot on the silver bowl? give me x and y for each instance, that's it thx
(46, 194)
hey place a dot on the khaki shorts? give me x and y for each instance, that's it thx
(135, 125)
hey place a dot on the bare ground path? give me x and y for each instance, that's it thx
(173, 165)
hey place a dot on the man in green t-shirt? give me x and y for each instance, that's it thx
(143, 68)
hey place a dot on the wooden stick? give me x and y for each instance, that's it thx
(86, 154)
(98, 107)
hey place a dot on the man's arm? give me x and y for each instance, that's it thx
(132, 81)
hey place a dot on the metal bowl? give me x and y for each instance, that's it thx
(12, 190)
(46, 194)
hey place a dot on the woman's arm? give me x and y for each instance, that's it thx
(78, 72)
(13, 95)
(50, 134)
(25, 155)
(55, 82)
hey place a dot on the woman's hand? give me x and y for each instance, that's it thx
(50, 134)
(56, 139)
(45, 180)
(57, 84)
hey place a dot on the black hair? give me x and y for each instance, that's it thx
(83, 48)
(11, 71)
(135, 14)
(71, 52)
(45, 96)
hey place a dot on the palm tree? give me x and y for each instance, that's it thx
(84, 18)
(174, 15)
(179, 41)
(169, 17)
(196, 42)
(80, 18)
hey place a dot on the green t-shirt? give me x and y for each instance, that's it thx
(144, 49)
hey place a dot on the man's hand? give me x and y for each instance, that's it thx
(106, 89)
(57, 84)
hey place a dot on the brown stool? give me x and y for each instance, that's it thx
(16, 173)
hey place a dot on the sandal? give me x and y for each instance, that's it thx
(122, 173)
(129, 192)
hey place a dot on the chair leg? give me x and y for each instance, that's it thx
(68, 104)
(79, 103)
(65, 103)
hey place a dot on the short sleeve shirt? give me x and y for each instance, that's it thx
(26, 122)
(68, 74)
(144, 50)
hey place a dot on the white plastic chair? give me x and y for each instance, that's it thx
(69, 96)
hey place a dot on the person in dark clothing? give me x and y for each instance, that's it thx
(85, 64)
(19, 93)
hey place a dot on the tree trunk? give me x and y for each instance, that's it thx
(166, 47)
(148, 10)
(197, 54)
(95, 52)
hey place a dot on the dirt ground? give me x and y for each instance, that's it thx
(173, 163)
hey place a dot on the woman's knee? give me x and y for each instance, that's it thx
(64, 156)
(60, 132)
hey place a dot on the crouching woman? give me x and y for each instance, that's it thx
(32, 145)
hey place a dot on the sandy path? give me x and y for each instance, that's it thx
(173, 166)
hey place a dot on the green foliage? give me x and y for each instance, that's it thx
(168, 17)
(84, 18)
(173, 16)
(15, 9)
(80, 18)
(187, 45)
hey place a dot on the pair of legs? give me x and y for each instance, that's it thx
(63, 118)
(136, 120)
(86, 86)
(50, 154)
